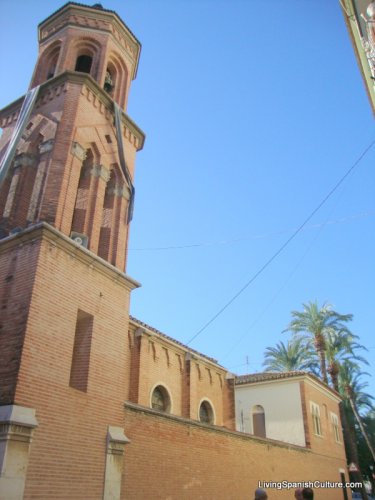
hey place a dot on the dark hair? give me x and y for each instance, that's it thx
(307, 494)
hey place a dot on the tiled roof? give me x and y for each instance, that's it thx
(95, 6)
(171, 339)
(261, 377)
(253, 378)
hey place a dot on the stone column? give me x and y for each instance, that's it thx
(16, 429)
(116, 441)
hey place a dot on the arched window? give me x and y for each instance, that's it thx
(86, 54)
(116, 77)
(160, 399)
(83, 63)
(52, 62)
(259, 421)
(206, 413)
(47, 63)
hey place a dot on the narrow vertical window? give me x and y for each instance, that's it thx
(335, 427)
(259, 421)
(79, 372)
(315, 412)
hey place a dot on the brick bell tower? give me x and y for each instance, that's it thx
(66, 195)
(72, 168)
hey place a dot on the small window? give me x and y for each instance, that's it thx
(315, 412)
(335, 427)
(83, 64)
(160, 399)
(108, 139)
(206, 414)
(259, 421)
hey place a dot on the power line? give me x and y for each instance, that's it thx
(253, 237)
(257, 319)
(285, 244)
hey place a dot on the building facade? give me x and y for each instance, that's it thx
(93, 402)
(293, 407)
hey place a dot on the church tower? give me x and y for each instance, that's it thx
(66, 198)
(74, 162)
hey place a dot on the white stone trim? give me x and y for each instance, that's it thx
(16, 428)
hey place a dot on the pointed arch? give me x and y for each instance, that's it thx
(48, 64)
(86, 56)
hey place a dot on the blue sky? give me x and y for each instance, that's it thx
(253, 112)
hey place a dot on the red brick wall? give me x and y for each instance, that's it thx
(169, 458)
(68, 450)
(17, 274)
(86, 120)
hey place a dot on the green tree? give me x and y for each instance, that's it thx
(366, 461)
(355, 400)
(314, 324)
(295, 355)
(341, 347)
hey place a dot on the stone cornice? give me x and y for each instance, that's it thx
(43, 231)
(57, 84)
(74, 14)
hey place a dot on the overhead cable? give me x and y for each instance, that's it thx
(285, 244)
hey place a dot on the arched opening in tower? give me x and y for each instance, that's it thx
(83, 64)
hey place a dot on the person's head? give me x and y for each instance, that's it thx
(307, 494)
(260, 494)
(298, 494)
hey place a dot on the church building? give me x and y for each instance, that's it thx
(94, 403)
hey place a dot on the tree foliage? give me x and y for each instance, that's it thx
(294, 356)
(322, 344)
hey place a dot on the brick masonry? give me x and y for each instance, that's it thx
(171, 458)
(67, 346)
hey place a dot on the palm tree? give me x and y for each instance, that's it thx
(341, 346)
(315, 323)
(352, 391)
(296, 355)
(351, 388)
